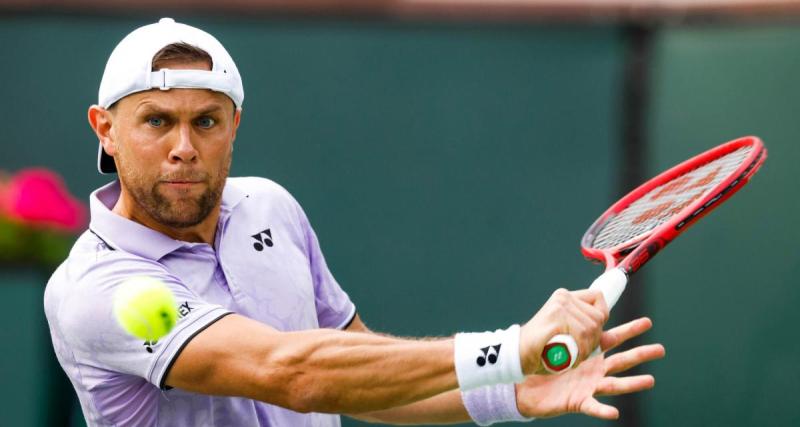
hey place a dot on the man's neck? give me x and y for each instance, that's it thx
(203, 232)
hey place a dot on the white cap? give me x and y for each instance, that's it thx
(129, 69)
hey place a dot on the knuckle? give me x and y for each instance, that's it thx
(584, 332)
(600, 316)
(560, 297)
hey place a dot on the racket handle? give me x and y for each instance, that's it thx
(561, 351)
(611, 283)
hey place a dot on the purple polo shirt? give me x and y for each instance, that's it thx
(266, 264)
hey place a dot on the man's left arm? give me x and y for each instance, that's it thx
(543, 396)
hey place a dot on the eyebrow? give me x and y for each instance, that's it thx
(210, 109)
(149, 107)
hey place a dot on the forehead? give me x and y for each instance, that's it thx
(178, 100)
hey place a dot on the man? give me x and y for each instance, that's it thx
(267, 340)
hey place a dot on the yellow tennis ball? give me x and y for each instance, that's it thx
(145, 308)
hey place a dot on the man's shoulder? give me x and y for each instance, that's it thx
(263, 187)
(88, 273)
(264, 192)
(91, 254)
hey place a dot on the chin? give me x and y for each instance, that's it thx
(180, 222)
(183, 211)
(190, 217)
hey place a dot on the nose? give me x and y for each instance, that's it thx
(183, 150)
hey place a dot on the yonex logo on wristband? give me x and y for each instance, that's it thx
(478, 359)
(488, 355)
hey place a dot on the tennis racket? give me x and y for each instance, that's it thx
(639, 225)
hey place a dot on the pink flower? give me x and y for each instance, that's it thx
(39, 197)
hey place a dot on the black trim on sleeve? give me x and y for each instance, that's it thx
(162, 384)
(350, 322)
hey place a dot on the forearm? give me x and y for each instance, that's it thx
(446, 408)
(347, 372)
(320, 370)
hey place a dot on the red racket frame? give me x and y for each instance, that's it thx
(636, 252)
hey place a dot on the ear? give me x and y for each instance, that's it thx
(100, 120)
(237, 117)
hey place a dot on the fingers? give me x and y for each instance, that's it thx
(620, 334)
(612, 386)
(589, 313)
(593, 297)
(628, 359)
(596, 311)
(580, 314)
(585, 325)
(594, 408)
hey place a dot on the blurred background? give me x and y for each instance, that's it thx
(450, 154)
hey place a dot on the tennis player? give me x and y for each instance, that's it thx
(266, 336)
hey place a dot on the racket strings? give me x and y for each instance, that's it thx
(667, 200)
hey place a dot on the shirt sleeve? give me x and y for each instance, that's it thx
(96, 339)
(334, 307)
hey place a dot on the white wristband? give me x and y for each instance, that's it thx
(493, 404)
(488, 358)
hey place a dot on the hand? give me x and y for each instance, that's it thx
(544, 396)
(581, 314)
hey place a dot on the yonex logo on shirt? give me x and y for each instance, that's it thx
(262, 238)
(184, 309)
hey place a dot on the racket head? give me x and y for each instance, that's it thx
(637, 226)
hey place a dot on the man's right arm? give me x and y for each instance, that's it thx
(327, 370)
(319, 370)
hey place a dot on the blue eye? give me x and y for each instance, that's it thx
(155, 121)
(206, 122)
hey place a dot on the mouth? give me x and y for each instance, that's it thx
(181, 184)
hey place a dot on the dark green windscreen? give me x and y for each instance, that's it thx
(26, 366)
(724, 296)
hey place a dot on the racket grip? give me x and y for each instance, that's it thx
(611, 283)
(561, 351)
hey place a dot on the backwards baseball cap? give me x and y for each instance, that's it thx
(129, 69)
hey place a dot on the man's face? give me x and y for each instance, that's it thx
(173, 151)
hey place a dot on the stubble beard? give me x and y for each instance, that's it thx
(181, 213)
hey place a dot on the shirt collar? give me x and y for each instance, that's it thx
(130, 236)
(231, 196)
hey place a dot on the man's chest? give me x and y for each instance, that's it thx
(259, 270)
